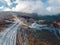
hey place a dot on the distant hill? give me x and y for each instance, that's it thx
(33, 15)
(7, 13)
(50, 17)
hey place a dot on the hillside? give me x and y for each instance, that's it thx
(7, 13)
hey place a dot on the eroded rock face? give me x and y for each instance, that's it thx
(43, 37)
(39, 37)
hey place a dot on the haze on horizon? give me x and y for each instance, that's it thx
(43, 7)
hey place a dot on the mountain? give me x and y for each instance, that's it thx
(7, 13)
(50, 17)
(32, 15)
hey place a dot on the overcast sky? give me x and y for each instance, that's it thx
(43, 7)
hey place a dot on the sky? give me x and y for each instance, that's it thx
(43, 7)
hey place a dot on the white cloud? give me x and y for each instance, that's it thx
(28, 6)
(53, 6)
(7, 9)
(50, 7)
(8, 2)
(1, 7)
(20, 7)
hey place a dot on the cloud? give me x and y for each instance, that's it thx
(43, 7)
(53, 6)
(27, 6)
(8, 2)
(1, 7)
(12, 0)
(7, 9)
